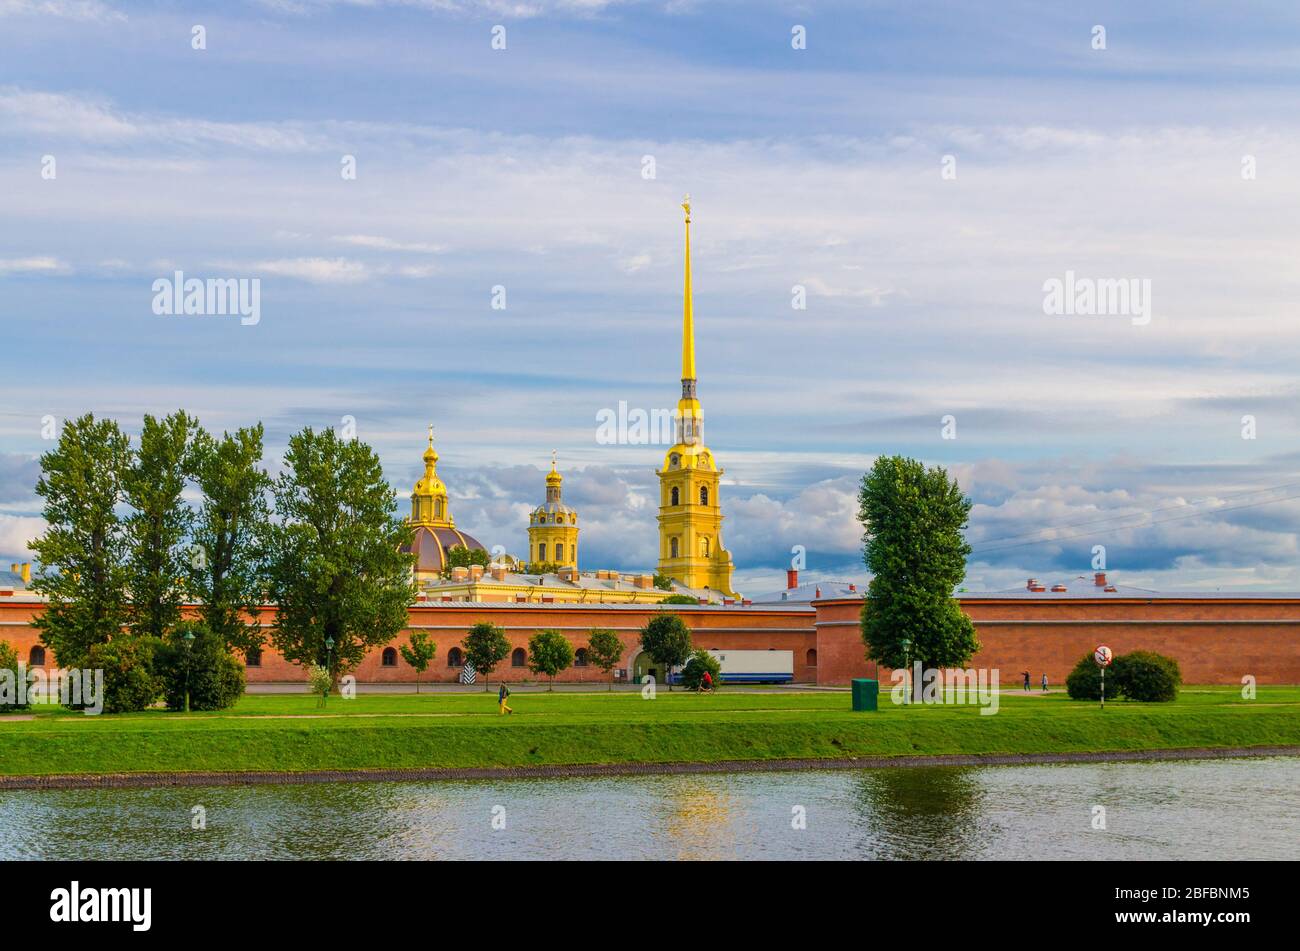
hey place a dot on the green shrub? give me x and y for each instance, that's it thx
(130, 683)
(9, 662)
(680, 599)
(1147, 676)
(216, 679)
(693, 672)
(1084, 682)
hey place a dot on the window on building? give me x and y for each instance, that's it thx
(704, 547)
(455, 658)
(580, 657)
(674, 461)
(812, 657)
(672, 544)
(704, 495)
(676, 500)
(559, 551)
(36, 657)
(389, 657)
(518, 657)
(541, 552)
(253, 658)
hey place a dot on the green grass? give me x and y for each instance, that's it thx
(290, 732)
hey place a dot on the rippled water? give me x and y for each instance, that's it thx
(1200, 809)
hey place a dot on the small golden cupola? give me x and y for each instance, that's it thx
(553, 527)
(435, 530)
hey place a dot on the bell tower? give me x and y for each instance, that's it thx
(690, 511)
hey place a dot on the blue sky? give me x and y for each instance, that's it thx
(818, 167)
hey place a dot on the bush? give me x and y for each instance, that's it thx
(699, 662)
(319, 680)
(1084, 682)
(130, 683)
(680, 599)
(216, 679)
(1147, 676)
(9, 662)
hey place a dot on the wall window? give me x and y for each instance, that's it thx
(704, 547)
(676, 498)
(389, 657)
(704, 495)
(455, 658)
(541, 552)
(580, 657)
(518, 657)
(36, 657)
(559, 551)
(811, 659)
(253, 658)
(672, 544)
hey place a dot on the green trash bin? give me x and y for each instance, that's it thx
(866, 694)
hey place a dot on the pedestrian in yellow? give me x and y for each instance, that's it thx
(502, 694)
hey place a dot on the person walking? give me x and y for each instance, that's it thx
(707, 682)
(1044, 683)
(502, 694)
(1025, 674)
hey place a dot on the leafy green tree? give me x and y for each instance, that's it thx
(419, 653)
(485, 646)
(914, 518)
(156, 528)
(334, 566)
(699, 662)
(130, 683)
(680, 599)
(549, 653)
(663, 582)
(458, 556)
(215, 680)
(9, 680)
(1084, 681)
(667, 640)
(542, 568)
(83, 550)
(224, 562)
(604, 650)
(1147, 676)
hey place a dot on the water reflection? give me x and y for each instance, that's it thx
(1229, 808)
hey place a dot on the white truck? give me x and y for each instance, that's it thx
(752, 667)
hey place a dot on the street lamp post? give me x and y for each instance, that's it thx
(329, 664)
(188, 637)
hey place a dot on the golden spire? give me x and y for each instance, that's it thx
(430, 454)
(688, 317)
(554, 478)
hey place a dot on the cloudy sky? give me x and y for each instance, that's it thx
(922, 170)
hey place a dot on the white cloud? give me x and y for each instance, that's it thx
(33, 265)
(62, 9)
(317, 270)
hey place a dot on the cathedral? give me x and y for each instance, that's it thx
(692, 558)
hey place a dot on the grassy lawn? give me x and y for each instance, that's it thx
(290, 732)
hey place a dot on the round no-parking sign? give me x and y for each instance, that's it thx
(1102, 656)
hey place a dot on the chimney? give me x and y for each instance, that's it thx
(568, 573)
(852, 587)
(1032, 584)
(1099, 579)
(644, 581)
(819, 592)
(702, 600)
(475, 572)
(792, 577)
(24, 569)
(1059, 588)
(746, 601)
(498, 572)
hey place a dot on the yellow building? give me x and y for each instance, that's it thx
(690, 513)
(435, 529)
(553, 527)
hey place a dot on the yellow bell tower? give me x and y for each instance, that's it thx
(690, 513)
(553, 527)
(429, 498)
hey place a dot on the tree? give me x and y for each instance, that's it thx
(83, 550)
(485, 646)
(9, 684)
(458, 556)
(130, 684)
(549, 652)
(663, 582)
(542, 568)
(202, 668)
(153, 485)
(604, 650)
(680, 599)
(667, 640)
(224, 562)
(1147, 677)
(699, 662)
(334, 566)
(914, 518)
(1084, 681)
(419, 653)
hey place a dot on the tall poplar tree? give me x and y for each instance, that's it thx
(159, 522)
(335, 568)
(82, 553)
(914, 547)
(224, 560)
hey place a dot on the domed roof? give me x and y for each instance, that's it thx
(430, 546)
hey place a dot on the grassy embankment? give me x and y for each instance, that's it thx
(279, 732)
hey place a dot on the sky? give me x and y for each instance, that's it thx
(916, 174)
